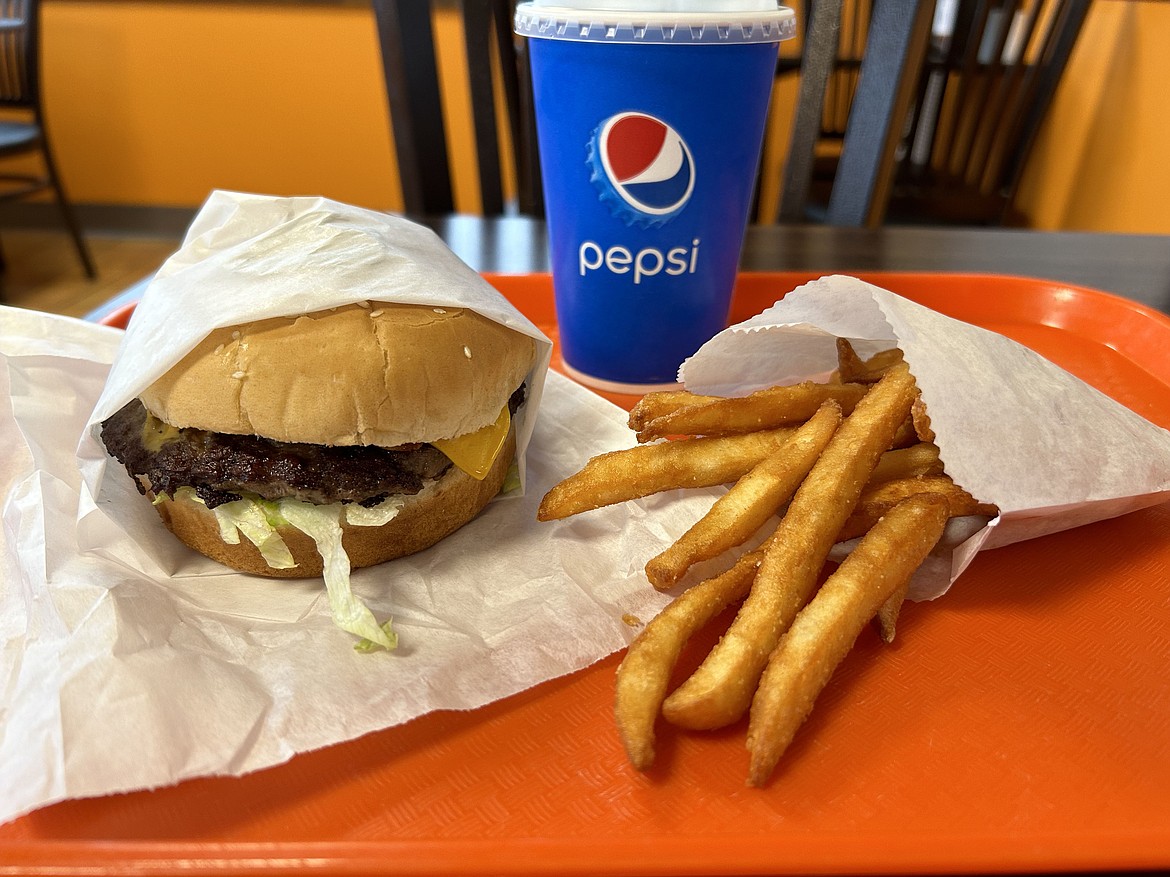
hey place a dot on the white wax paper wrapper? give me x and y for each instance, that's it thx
(1012, 428)
(128, 661)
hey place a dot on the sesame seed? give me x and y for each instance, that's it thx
(238, 375)
(440, 311)
(236, 335)
(376, 313)
(218, 349)
(467, 352)
(363, 304)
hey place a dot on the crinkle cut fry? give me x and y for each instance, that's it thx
(721, 689)
(824, 631)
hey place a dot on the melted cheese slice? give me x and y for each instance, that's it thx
(475, 452)
(156, 433)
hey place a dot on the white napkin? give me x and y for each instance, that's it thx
(128, 662)
(1012, 428)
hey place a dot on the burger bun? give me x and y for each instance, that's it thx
(371, 374)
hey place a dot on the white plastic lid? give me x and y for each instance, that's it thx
(656, 6)
(658, 21)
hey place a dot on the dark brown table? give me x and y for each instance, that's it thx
(1134, 266)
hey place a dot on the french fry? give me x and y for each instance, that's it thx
(905, 436)
(646, 469)
(851, 368)
(921, 421)
(754, 498)
(662, 403)
(920, 458)
(877, 500)
(849, 364)
(825, 630)
(889, 613)
(721, 689)
(644, 674)
(764, 409)
(851, 458)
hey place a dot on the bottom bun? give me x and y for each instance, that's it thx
(426, 518)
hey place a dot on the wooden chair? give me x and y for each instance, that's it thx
(850, 19)
(873, 95)
(20, 92)
(981, 101)
(407, 43)
(941, 129)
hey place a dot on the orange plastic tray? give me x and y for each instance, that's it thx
(1021, 723)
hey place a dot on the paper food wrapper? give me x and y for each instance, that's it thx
(129, 662)
(1012, 428)
(251, 257)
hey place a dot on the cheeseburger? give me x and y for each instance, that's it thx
(306, 446)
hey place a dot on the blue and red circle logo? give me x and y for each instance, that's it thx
(642, 165)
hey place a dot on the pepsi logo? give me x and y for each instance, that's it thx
(646, 163)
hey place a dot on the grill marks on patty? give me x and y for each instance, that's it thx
(220, 467)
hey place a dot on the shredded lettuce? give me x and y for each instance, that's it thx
(383, 513)
(511, 480)
(323, 525)
(248, 516)
(258, 520)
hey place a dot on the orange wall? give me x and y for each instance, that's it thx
(160, 101)
(1101, 162)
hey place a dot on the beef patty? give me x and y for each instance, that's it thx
(221, 467)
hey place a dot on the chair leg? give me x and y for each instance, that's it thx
(67, 212)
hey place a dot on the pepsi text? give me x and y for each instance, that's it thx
(647, 262)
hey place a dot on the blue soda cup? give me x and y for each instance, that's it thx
(650, 123)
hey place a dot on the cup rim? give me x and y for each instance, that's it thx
(621, 26)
